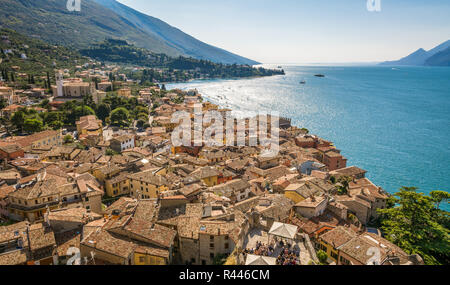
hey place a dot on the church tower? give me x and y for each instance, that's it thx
(59, 84)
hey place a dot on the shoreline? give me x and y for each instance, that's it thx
(391, 177)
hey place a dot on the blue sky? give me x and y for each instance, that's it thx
(308, 31)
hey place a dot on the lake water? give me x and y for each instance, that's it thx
(393, 122)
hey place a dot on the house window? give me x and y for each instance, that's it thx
(344, 261)
(227, 246)
(141, 259)
(211, 245)
(334, 255)
(211, 255)
(87, 199)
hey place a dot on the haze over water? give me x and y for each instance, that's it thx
(393, 122)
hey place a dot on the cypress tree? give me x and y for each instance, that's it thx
(48, 79)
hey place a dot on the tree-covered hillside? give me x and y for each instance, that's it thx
(169, 68)
(52, 22)
(28, 55)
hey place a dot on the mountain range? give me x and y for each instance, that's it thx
(50, 21)
(438, 56)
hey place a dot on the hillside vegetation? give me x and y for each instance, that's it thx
(24, 54)
(50, 21)
(169, 68)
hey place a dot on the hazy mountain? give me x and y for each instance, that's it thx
(419, 57)
(174, 37)
(50, 21)
(441, 58)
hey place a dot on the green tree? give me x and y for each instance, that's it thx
(103, 111)
(344, 185)
(18, 119)
(417, 226)
(220, 259)
(68, 139)
(322, 256)
(45, 104)
(120, 117)
(439, 197)
(33, 125)
(82, 111)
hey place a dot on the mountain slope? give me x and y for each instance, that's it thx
(441, 58)
(416, 58)
(173, 37)
(419, 57)
(34, 56)
(50, 21)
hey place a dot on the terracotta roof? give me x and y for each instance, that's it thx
(110, 243)
(349, 171)
(205, 172)
(338, 236)
(66, 240)
(29, 140)
(10, 148)
(149, 177)
(154, 233)
(309, 203)
(41, 237)
(231, 187)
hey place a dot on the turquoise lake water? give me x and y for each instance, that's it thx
(393, 122)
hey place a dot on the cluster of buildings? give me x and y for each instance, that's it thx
(151, 203)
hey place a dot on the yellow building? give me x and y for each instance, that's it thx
(292, 193)
(302, 191)
(208, 175)
(106, 172)
(118, 185)
(150, 256)
(330, 241)
(41, 140)
(147, 184)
